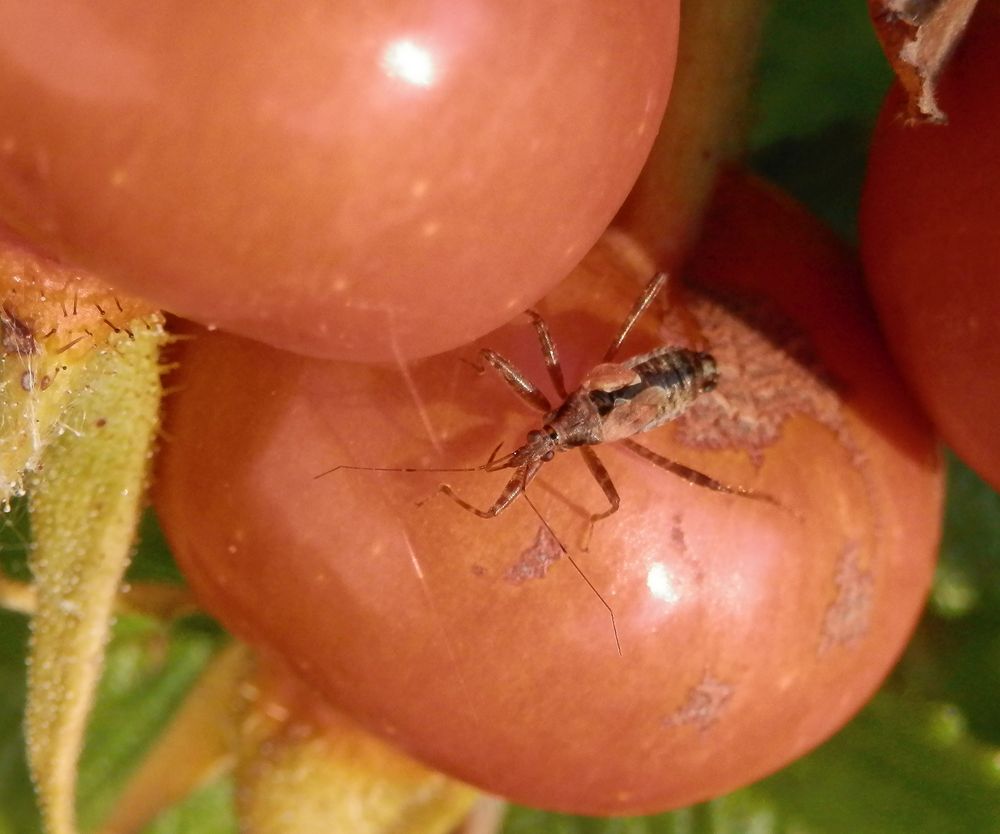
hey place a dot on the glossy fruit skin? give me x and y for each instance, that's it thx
(749, 632)
(930, 243)
(354, 180)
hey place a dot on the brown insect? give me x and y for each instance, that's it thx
(615, 402)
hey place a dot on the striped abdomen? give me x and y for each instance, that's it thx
(677, 368)
(649, 390)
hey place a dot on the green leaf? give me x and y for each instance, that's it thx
(968, 578)
(685, 821)
(825, 171)
(955, 656)
(820, 66)
(15, 539)
(150, 667)
(822, 77)
(153, 561)
(18, 812)
(86, 499)
(902, 766)
(206, 811)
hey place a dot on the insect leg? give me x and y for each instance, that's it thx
(515, 486)
(549, 352)
(604, 480)
(693, 476)
(640, 307)
(518, 382)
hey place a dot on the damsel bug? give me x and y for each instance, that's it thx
(615, 402)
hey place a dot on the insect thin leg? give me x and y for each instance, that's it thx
(549, 352)
(515, 486)
(518, 382)
(693, 476)
(640, 307)
(604, 480)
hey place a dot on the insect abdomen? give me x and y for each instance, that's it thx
(669, 380)
(687, 372)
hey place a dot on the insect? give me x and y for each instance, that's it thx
(615, 402)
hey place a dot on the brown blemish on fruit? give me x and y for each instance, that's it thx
(768, 373)
(536, 560)
(848, 617)
(703, 704)
(678, 542)
(677, 534)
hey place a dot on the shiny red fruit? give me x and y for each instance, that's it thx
(749, 630)
(351, 179)
(930, 242)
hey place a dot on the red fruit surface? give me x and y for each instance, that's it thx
(749, 631)
(930, 243)
(349, 179)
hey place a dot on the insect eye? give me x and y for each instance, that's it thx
(534, 435)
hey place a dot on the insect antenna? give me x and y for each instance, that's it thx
(397, 469)
(490, 461)
(579, 570)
